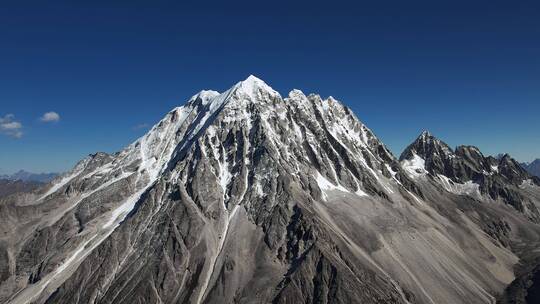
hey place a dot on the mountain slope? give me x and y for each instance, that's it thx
(465, 171)
(246, 196)
(8, 187)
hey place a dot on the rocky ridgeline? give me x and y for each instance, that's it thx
(246, 196)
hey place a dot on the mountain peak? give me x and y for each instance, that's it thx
(251, 85)
(500, 156)
(425, 145)
(425, 134)
(253, 79)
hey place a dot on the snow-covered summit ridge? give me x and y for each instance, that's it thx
(254, 90)
(289, 125)
(250, 88)
(252, 107)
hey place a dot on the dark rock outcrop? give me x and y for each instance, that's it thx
(499, 178)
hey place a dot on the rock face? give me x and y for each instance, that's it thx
(466, 168)
(525, 288)
(248, 197)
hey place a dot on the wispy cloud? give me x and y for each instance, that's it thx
(50, 117)
(10, 127)
(141, 126)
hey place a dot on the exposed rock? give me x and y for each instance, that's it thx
(498, 178)
(249, 197)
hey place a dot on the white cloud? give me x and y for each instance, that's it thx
(10, 127)
(50, 117)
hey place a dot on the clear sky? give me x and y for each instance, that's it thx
(468, 71)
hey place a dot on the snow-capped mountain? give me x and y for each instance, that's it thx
(250, 197)
(467, 170)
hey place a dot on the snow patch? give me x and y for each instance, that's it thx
(468, 188)
(224, 174)
(392, 172)
(527, 183)
(415, 167)
(259, 190)
(326, 185)
(206, 96)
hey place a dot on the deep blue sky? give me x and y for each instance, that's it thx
(468, 71)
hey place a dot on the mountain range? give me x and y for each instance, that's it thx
(8, 187)
(26, 176)
(247, 196)
(532, 167)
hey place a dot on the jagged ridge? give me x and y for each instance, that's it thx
(240, 191)
(498, 178)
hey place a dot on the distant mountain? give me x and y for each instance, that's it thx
(532, 167)
(26, 176)
(8, 187)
